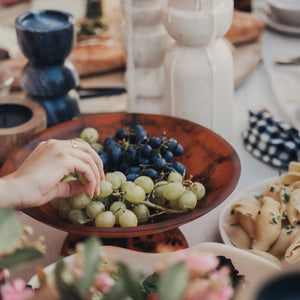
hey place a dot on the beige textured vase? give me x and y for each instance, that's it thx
(199, 81)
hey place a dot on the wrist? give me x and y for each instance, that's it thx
(10, 192)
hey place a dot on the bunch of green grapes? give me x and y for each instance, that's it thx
(129, 203)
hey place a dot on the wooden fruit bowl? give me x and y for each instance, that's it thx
(208, 157)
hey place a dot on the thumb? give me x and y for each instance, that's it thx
(69, 189)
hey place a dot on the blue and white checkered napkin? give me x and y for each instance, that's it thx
(274, 142)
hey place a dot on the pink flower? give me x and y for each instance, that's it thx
(16, 291)
(103, 282)
(198, 263)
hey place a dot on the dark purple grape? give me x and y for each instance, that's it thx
(150, 172)
(154, 156)
(141, 135)
(169, 170)
(168, 156)
(179, 167)
(110, 142)
(105, 159)
(143, 161)
(123, 165)
(134, 170)
(146, 150)
(172, 144)
(115, 153)
(160, 163)
(155, 142)
(132, 177)
(121, 134)
(178, 150)
(130, 155)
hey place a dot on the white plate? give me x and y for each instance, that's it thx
(246, 263)
(252, 190)
(271, 21)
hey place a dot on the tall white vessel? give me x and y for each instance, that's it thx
(145, 40)
(199, 66)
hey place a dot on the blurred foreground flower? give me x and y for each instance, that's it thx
(181, 275)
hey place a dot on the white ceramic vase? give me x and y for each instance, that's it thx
(199, 80)
(145, 40)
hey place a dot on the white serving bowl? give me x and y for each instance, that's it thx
(287, 11)
(254, 268)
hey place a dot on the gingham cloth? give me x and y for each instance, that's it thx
(274, 142)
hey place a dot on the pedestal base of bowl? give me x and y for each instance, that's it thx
(171, 240)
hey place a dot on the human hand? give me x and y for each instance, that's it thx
(38, 179)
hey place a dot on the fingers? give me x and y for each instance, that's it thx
(84, 146)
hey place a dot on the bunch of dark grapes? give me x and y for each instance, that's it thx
(134, 153)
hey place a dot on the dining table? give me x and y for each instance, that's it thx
(255, 92)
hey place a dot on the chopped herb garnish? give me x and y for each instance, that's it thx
(286, 198)
(273, 221)
(289, 232)
(272, 189)
(234, 224)
(232, 212)
(259, 212)
(258, 196)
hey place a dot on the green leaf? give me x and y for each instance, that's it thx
(117, 292)
(150, 284)
(64, 282)
(131, 282)
(91, 258)
(173, 282)
(20, 258)
(10, 231)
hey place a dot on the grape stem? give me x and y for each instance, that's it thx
(164, 209)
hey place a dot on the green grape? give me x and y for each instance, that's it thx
(69, 178)
(175, 177)
(81, 178)
(97, 147)
(64, 206)
(145, 182)
(159, 189)
(174, 204)
(106, 188)
(117, 208)
(55, 202)
(127, 185)
(80, 201)
(173, 191)
(142, 213)
(94, 208)
(128, 219)
(187, 200)
(90, 135)
(135, 194)
(198, 189)
(105, 219)
(113, 179)
(121, 176)
(77, 216)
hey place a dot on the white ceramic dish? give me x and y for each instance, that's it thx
(288, 11)
(252, 190)
(273, 22)
(246, 263)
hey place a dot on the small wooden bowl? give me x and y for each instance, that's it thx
(20, 121)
